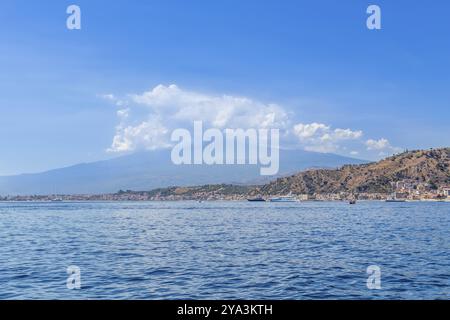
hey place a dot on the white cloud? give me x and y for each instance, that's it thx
(347, 134)
(377, 144)
(307, 131)
(150, 134)
(382, 145)
(219, 111)
(123, 113)
(147, 120)
(156, 113)
(319, 137)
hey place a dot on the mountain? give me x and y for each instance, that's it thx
(429, 166)
(154, 169)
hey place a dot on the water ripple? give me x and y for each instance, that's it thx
(224, 250)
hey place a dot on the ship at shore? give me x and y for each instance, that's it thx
(256, 199)
(395, 200)
(288, 198)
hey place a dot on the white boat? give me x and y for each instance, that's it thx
(288, 198)
(395, 200)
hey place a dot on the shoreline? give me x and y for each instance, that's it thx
(216, 200)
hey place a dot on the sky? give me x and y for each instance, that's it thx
(139, 69)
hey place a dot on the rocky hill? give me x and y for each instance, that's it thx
(426, 166)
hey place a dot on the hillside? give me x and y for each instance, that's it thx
(429, 166)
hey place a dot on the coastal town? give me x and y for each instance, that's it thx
(405, 190)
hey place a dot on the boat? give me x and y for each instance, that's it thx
(257, 199)
(288, 198)
(352, 202)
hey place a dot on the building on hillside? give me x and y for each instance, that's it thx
(446, 191)
(303, 197)
(401, 195)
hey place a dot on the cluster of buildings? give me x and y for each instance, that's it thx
(412, 190)
(402, 190)
(80, 197)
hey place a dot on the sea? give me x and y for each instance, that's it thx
(224, 250)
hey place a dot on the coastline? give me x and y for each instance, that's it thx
(112, 200)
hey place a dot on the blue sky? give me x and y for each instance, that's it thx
(315, 59)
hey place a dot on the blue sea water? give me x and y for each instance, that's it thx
(224, 250)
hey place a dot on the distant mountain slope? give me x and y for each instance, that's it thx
(430, 166)
(153, 169)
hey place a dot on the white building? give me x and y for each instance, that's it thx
(303, 197)
(447, 192)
